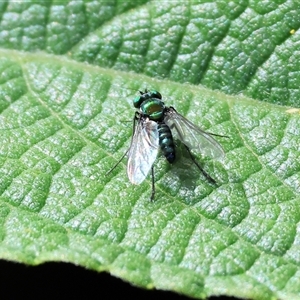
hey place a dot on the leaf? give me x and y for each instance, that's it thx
(237, 46)
(63, 125)
(232, 46)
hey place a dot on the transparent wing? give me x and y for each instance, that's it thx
(192, 136)
(143, 150)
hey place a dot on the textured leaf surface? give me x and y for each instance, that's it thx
(63, 125)
(234, 46)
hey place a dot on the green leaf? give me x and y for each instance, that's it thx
(64, 125)
(234, 46)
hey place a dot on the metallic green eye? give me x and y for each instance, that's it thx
(155, 94)
(137, 101)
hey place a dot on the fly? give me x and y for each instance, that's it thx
(154, 128)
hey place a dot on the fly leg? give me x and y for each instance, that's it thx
(153, 185)
(107, 173)
(207, 176)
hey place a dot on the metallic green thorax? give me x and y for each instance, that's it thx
(153, 108)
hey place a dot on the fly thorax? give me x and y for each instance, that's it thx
(153, 108)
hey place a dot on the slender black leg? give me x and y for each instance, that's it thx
(208, 177)
(107, 173)
(153, 185)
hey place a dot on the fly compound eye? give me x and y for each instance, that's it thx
(155, 94)
(137, 101)
(158, 95)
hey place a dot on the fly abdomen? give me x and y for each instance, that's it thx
(166, 142)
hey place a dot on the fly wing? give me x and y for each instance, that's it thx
(192, 136)
(143, 150)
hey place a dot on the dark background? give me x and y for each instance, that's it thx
(66, 281)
